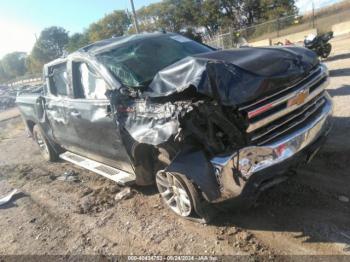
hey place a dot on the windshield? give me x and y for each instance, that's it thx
(136, 64)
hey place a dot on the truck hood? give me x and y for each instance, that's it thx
(232, 78)
(235, 77)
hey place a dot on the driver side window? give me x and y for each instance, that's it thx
(88, 84)
(58, 80)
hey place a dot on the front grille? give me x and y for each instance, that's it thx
(287, 110)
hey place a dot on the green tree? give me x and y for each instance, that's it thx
(13, 64)
(273, 9)
(209, 16)
(179, 15)
(182, 16)
(3, 75)
(148, 18)
(77, 41)
(253, 11)
(95, 33)
(49, 46)
(33, 65)
(170, 15)
(114, 24)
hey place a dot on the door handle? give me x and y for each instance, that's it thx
(75, 114)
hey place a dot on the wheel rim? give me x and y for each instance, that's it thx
(41, 142)
(174, 193)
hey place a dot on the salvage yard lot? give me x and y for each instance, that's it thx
(309, 214)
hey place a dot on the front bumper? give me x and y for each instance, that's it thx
(247, 170)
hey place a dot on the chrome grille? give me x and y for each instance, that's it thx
(276, 115)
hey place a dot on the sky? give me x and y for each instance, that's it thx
(306, 5)
(22, 20)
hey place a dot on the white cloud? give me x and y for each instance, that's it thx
(16, 36)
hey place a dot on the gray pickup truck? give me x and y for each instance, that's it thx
(206, 126)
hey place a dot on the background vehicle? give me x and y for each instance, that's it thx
(319, 44)
(206, 126)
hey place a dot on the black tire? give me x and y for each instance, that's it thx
(45, 147)
(326, 50)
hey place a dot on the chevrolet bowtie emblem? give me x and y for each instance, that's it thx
(299, 98)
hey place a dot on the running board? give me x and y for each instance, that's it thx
(121, 177)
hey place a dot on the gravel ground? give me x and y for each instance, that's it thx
(308, 214)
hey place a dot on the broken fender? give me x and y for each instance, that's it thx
(193, 163)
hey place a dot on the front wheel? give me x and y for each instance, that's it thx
(177, 192)
(46, 149)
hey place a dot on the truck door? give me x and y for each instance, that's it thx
(88, 113)
(55, 102)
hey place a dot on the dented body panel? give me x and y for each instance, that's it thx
(191, 117)
(235, 77)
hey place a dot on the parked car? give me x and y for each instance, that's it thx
(206, 126)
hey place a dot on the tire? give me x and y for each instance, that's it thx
(326, 50)
(46, 149)
(200, 210)
(178, 193)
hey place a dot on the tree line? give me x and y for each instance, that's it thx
(192, 18)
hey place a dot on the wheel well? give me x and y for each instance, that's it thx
(146, 163)
(30, 125)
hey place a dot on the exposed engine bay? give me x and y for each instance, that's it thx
(195, 101)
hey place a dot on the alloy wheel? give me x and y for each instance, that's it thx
(174, 193)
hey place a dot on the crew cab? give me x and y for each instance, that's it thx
(206, 126)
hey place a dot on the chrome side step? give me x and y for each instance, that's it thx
(121, 177)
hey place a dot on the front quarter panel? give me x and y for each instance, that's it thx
(193, 163)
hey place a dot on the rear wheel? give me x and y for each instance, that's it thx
(326, 50)
(46, 149)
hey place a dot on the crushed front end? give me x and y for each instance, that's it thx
(284, 130)
(232, 122)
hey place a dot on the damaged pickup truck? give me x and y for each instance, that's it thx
(205, 126)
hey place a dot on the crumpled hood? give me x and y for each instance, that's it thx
(235, 77)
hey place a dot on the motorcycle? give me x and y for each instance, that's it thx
(319, 44)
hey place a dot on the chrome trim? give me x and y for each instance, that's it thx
(256, 158)
(255, 125)
(324, 72)
(318, 103)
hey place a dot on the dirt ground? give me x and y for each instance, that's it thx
(308, 214)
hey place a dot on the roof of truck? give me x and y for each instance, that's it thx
(106, 44)
(115, 41)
